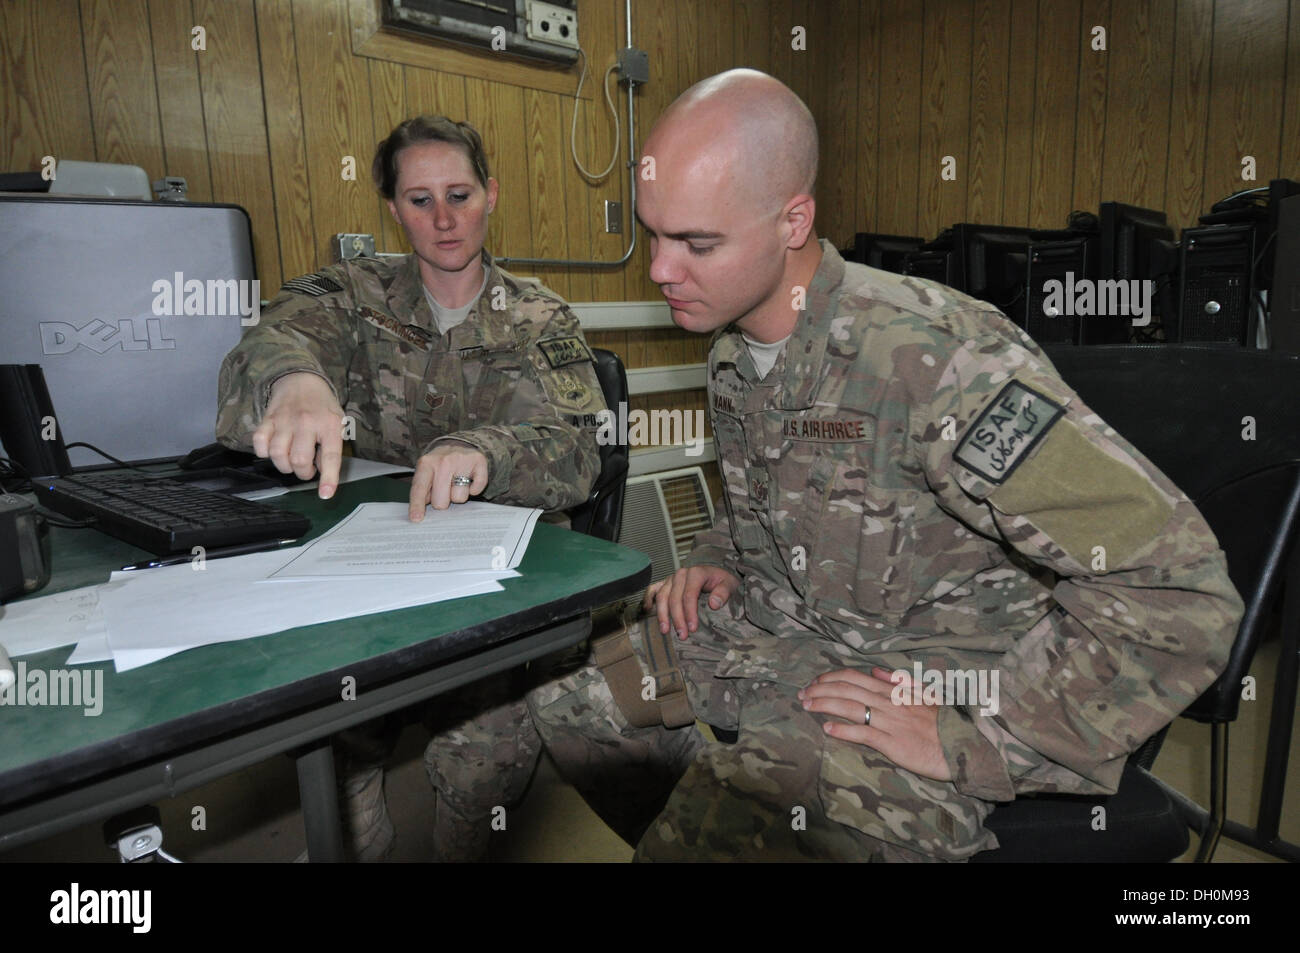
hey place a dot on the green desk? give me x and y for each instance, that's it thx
(179, 723)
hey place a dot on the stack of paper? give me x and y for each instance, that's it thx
(374, 560)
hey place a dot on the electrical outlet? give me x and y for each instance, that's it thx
(552, 24)
(613, 217)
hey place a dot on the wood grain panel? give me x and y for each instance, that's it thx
(1021, 82)
(866, 109)
(1291, 102)
(498, 113)
(388, 108)
(1185, 166)
(46, 104)
(945, 116)
(231, 86)
(1090, 122)
(751, 25)
(1246, 95)
(715, 26)
(800, 79)
(990, 51)
(607, 284)
(1056, 82)
(657, 35)
(900, 116)
(335, 98)
(180, 102)
(548, 159)
(287, 151)
(1140, 91)
(123, 96)
(837, 122)
(781, 56)
(686, 14)
(603, 30)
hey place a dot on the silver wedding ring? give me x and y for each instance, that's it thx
(461, 481)
(866, 718)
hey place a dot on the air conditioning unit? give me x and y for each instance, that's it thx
(662, 513)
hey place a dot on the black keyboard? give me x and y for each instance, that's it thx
(165, 516)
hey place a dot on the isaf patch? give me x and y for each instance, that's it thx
(1002, 436)
(562, 351)
(314, 285)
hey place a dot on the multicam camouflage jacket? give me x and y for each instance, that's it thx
(515, 380)
(914, 482)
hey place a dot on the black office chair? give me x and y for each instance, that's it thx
(1184, 408)
(602, 513)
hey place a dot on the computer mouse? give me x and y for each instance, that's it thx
(214, 456)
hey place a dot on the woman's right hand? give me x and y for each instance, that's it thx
(302, 415)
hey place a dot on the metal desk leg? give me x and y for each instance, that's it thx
(318, 791)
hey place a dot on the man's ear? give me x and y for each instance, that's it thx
(798, 218)
(491, 194)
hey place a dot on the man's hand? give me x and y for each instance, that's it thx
(907, 734)
(302, 415)
(435, 471)
(676, 599)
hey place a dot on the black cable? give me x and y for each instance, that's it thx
(13, 478)
(13, 470)
(107, 456)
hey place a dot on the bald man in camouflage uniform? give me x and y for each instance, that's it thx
(909, 482)
(515, 381)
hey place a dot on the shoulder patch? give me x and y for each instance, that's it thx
(1001, 437)
(315, 285)
(562, 351)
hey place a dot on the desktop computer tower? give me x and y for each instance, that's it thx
(1284, 298)
(1058, 261)
(1215, 286)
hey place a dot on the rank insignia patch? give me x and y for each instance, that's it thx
(1002, 436)
(562, 351)
(314, 285)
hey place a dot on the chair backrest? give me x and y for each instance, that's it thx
(602, 513)
(1224, 425)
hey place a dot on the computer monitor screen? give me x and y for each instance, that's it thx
(1127, 236)
(128, 307)
(993, 262)
(886, 252)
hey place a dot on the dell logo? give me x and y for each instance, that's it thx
(99, 336)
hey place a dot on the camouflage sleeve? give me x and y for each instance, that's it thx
(716, 546)
(546, 454)
(307, 327)
(1144, 611)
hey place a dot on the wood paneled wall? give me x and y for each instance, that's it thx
(1037, 122)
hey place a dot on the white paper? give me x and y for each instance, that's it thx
(378, 539)
(350, 470)
(154, 613)
(91, 650)
(47, 622)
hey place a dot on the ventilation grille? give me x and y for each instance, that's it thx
(662, 513)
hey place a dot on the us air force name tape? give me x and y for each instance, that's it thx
(1002, 436)
(562, 351)
(315, 285)
(824, 430)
